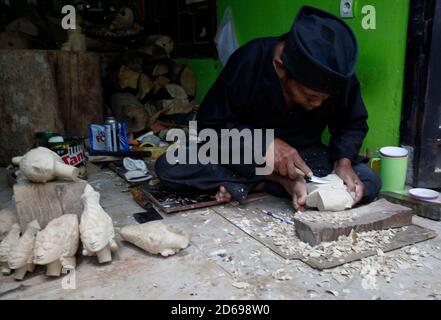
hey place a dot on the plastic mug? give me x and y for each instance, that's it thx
(393, 168)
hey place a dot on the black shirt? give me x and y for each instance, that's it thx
(248, 94)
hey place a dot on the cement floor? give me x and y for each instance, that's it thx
(199, 272)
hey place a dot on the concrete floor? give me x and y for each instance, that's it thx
(243, 271)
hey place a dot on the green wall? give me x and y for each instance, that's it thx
(381, 59)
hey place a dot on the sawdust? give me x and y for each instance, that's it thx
(281, 275)
(240, 285)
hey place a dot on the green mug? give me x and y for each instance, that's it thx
(393, 170)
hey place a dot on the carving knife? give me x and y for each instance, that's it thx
(312, 179)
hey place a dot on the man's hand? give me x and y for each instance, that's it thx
(285, 160)
(343, 168)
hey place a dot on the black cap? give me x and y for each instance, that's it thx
(320, 51)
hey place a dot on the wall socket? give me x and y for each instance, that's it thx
(347, 8)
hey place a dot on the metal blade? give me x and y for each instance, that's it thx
(318, 180)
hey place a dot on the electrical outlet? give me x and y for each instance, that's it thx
(347, 8)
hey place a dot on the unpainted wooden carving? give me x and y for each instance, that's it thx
(96, 228)
(156, 237)
(21, 253)
(7, 220)
(43, 165)
(329, 197)
(56, 245)
(5, 246)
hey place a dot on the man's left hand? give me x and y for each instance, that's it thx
(343, 168)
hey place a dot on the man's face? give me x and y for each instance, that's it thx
(297, 94)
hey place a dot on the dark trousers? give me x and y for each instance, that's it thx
(210, 177)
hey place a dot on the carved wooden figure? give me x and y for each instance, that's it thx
(57, 244)
(21, 253)
(156, 237)
(43, 165)
(329, 197)
(96, 228)
(5, 247)
(7, 220)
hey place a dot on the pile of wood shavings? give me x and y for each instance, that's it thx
(283, 236)
(354, 243)
(328, 217)
(371, 269)
(380, 266)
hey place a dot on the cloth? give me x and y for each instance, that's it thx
(136, 170)
(320, 51)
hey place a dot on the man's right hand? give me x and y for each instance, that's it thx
(285, 160)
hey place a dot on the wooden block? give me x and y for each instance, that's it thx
(28, 101)
(45, 202)
(315, 227)
(424, 209)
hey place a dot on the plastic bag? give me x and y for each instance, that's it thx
(225, 40)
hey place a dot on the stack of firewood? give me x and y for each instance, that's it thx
(147, 88)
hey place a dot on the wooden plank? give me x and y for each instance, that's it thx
(78, 82)
(28, 101)
(412, 235)
(424, 209)
(43, 90)
(328, 226)
(251, 219)
(45, 202)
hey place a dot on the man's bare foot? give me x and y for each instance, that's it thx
(296, 188)
(223, 196)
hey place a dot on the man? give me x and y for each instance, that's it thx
(297, 84)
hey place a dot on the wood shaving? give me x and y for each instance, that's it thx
(240, 285)
(333, 292)
(328, 217)
(281, 275)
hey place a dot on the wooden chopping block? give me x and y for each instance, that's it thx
(46, 201)
(426, 209)
(315, 227)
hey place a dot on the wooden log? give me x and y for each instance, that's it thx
(128, 78)
(174, 106)
(145, 85)
(171, 91)
(314, 227)
(127, 108)
(159, 69)
(46, 201)
(162, 41)
(185, 77)
(153, 54)
(159, 82)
